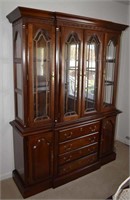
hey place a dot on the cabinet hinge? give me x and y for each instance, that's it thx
(58, 29)
(24, 26)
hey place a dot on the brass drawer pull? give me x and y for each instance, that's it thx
(64, 169)
(68, 158)
(81, 129)
(93, 149)
(93, 129)
(92, 139)
(67, 168)
(68, 135)
(68, 148)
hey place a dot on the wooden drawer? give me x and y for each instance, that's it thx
(80, 163)
(78, 143)
(76, 154)
(72, 133)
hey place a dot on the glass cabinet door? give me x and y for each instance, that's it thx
(71, 68)
(18, 74)
(110, 71)
(42, 77)
(92, 65)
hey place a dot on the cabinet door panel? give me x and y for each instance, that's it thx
(41, 167)
(41, 73)
(107, 136)
(110, 71)
(92, 71)
(70, 90)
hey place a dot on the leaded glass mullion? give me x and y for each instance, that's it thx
(41, 73)
(75, 79)
(36, 82)
(71, 75)
(92, 48)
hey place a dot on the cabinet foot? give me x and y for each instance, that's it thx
(32, 189)
(109, 158)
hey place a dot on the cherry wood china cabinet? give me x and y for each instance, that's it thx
(65, 84)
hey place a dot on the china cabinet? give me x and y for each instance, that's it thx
(65, 84)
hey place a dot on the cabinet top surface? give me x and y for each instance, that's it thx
(21, 12)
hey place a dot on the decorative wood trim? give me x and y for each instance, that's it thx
(64, 18)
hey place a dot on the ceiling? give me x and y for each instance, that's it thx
(126, 2)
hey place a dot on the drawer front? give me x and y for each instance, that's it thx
(72, 133)
(77, 143)
(83, 162)
(76, 154)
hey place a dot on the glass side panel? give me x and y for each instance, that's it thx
(19, 76)
(91, 67)
(19, 104)
(41, 75)
(109, 73)
(71, 75)
(17, 46)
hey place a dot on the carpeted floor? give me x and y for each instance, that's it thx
(96, 185)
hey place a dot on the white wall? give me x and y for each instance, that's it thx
(123, 100)
(106, 10)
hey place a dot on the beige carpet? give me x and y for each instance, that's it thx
(96, 185)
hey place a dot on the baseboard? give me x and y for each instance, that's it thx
(5, 176)
(123, 140)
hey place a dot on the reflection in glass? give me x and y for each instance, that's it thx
(71, 75)
(91, 67)
(19, 76)
(109, 73)
(19, 101)
(18, 45)
(111, 51)
(41, 75)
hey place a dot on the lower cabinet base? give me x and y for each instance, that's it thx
(30, 190)
(74, 175)
(108, 158)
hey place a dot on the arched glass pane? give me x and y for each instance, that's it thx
(41, 75)
(109, 73)
(71, 75)
(111, 50)
(91, 67)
